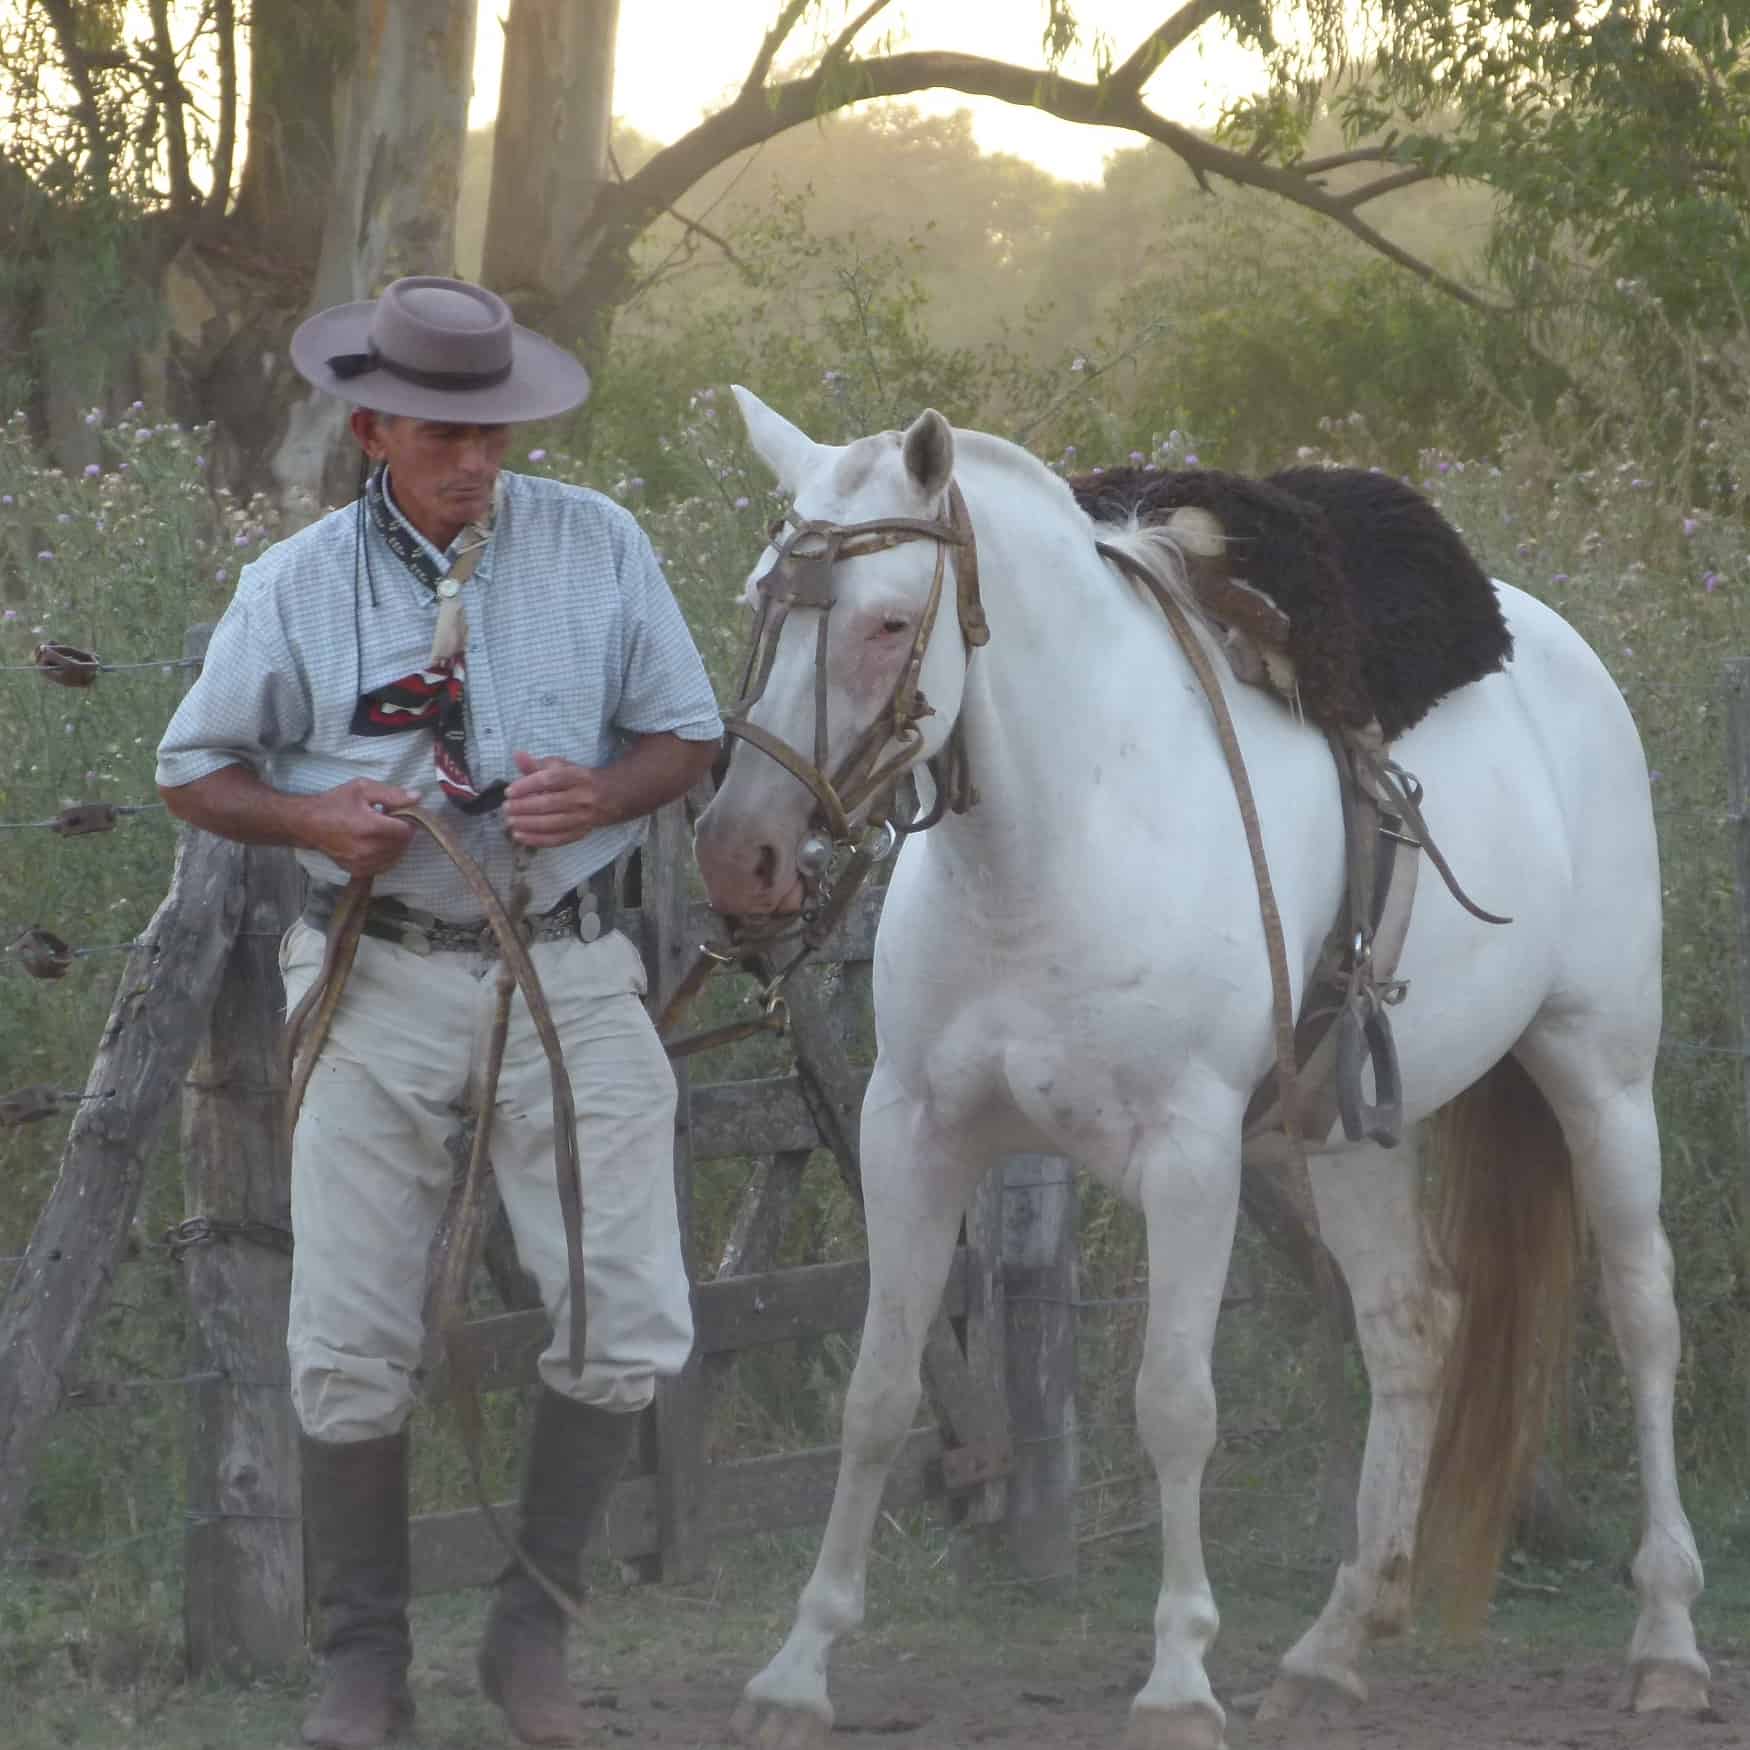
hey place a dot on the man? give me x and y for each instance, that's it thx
(514, 640)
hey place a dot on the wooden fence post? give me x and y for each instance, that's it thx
(1039, 1284)
(160, 1011)
(243, 1604)
(244, 1599)
(680, 1406)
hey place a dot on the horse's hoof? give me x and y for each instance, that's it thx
(766, 1725)
(1297, 1696)
(1173, 1728)
(1662, 1686)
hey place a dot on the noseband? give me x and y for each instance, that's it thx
(802, 577)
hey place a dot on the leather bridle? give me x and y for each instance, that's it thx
(866, 781)
(801, 576)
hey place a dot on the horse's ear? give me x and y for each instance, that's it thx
(929, 452)
(783, 447)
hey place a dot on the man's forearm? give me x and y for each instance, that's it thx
(234, 803)
(654, 770)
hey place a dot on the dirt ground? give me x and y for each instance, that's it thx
(1060, 1677)
(941, 1665)
(917, 1705)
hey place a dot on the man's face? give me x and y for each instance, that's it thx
(443, 474)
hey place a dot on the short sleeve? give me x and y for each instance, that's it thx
(664, 690)
(248, 702)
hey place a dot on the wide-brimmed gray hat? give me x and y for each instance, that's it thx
(434, 348)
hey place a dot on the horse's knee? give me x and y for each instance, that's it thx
(1175, 1404)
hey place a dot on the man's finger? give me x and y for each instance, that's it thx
(544, 802)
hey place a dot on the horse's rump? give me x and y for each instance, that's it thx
(1388, 610)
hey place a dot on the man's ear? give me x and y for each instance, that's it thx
(366, 428)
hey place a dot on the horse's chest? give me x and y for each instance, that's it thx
(1046, 1050)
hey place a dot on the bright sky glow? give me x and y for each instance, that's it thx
(668, 75)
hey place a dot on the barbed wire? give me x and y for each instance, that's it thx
(166, 665)
(43, 1559)
(59, 823)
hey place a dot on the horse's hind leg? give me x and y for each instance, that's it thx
(1370, 1216)
(916, 1187)
(1606, 1113)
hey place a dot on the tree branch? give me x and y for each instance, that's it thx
(774, 40)
(661, 182)
(66, 24)
(694, 226)
(174, 100)
(225, 150)
(1371, 191)
(1342, 160)
(842, 42)
(667, 268)
(1128, 79)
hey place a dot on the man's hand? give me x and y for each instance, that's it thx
(556, 803)
(352, 826)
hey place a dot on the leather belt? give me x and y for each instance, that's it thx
(586, 912)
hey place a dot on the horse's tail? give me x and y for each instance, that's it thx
(1507, 1232)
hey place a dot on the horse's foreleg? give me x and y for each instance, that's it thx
(1613, 1137)
(1187, 1177)
(1369, 1214)
(915, 1185)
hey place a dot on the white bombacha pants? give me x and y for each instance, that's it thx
(371, 1174)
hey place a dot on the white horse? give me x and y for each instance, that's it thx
(1077, 966)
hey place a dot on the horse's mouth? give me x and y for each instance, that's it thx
(785, 904)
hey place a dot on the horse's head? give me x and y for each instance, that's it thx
(857, 668)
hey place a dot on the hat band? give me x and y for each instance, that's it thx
(355, 364)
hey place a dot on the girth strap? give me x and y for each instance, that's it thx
(1343, 1022)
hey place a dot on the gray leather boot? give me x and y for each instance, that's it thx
(355, 1539)
(576, 1455)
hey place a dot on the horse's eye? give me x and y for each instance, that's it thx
(893, 625)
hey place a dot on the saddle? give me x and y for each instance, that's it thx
(1372, 612)
(1343, 590)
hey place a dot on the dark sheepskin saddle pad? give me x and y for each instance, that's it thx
(1386, 610)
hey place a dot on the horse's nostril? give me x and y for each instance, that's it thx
(765, 866)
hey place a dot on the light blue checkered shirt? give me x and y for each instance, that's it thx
(575, 644)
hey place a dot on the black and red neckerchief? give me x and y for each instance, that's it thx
(431, 697)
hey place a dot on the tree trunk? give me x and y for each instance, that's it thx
(550, 144)
(392, 206)
(298, 52)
